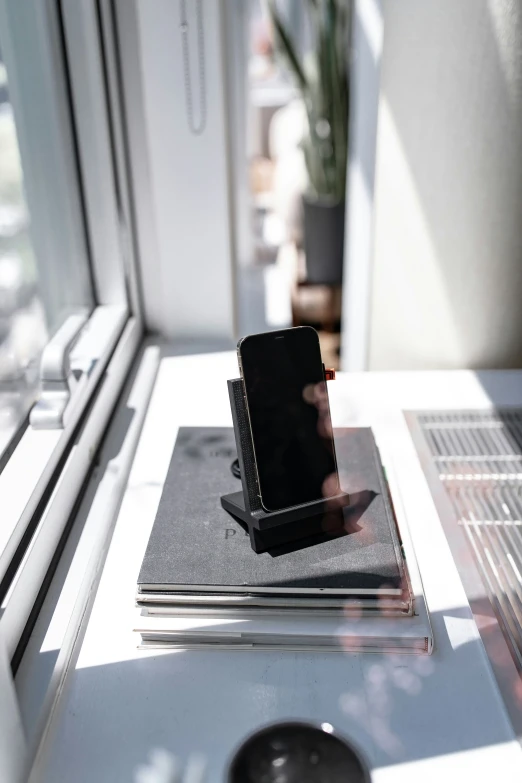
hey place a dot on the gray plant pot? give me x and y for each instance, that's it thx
(323, 241)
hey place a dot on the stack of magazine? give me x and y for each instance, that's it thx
(202, 585)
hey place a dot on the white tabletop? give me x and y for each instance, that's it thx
(414, 717)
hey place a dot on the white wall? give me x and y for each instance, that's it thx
(181, 181)
(447, 267)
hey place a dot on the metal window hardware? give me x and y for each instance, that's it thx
(59, 380)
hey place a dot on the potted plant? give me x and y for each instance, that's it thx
(322, 78)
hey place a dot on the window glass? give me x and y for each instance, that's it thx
(23, 327)
(34, 298)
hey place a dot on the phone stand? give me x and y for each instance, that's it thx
(268, 529)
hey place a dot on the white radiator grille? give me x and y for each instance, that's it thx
(478, 457)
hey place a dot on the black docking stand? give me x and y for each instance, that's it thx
(275, 528)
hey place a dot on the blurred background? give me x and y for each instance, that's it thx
(350, 164)
(296, 104)
(272, 134)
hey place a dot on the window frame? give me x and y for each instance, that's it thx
(98, 102)
(43, 476)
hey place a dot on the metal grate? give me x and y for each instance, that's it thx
(478, 457)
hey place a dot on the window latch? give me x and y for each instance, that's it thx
(59, 381)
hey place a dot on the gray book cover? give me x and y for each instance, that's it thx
(195, 545)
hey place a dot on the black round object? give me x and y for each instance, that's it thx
(297, 753)
(236, 470)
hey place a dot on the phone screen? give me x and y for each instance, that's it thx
(289, 416)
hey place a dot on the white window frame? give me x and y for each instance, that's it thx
(87, 160)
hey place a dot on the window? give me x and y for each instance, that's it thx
(69, 316)
(32, 305)
(20, 305)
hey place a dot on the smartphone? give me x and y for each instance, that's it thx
(289, 415)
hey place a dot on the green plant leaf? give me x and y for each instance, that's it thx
(325, 91)
(285, 45)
